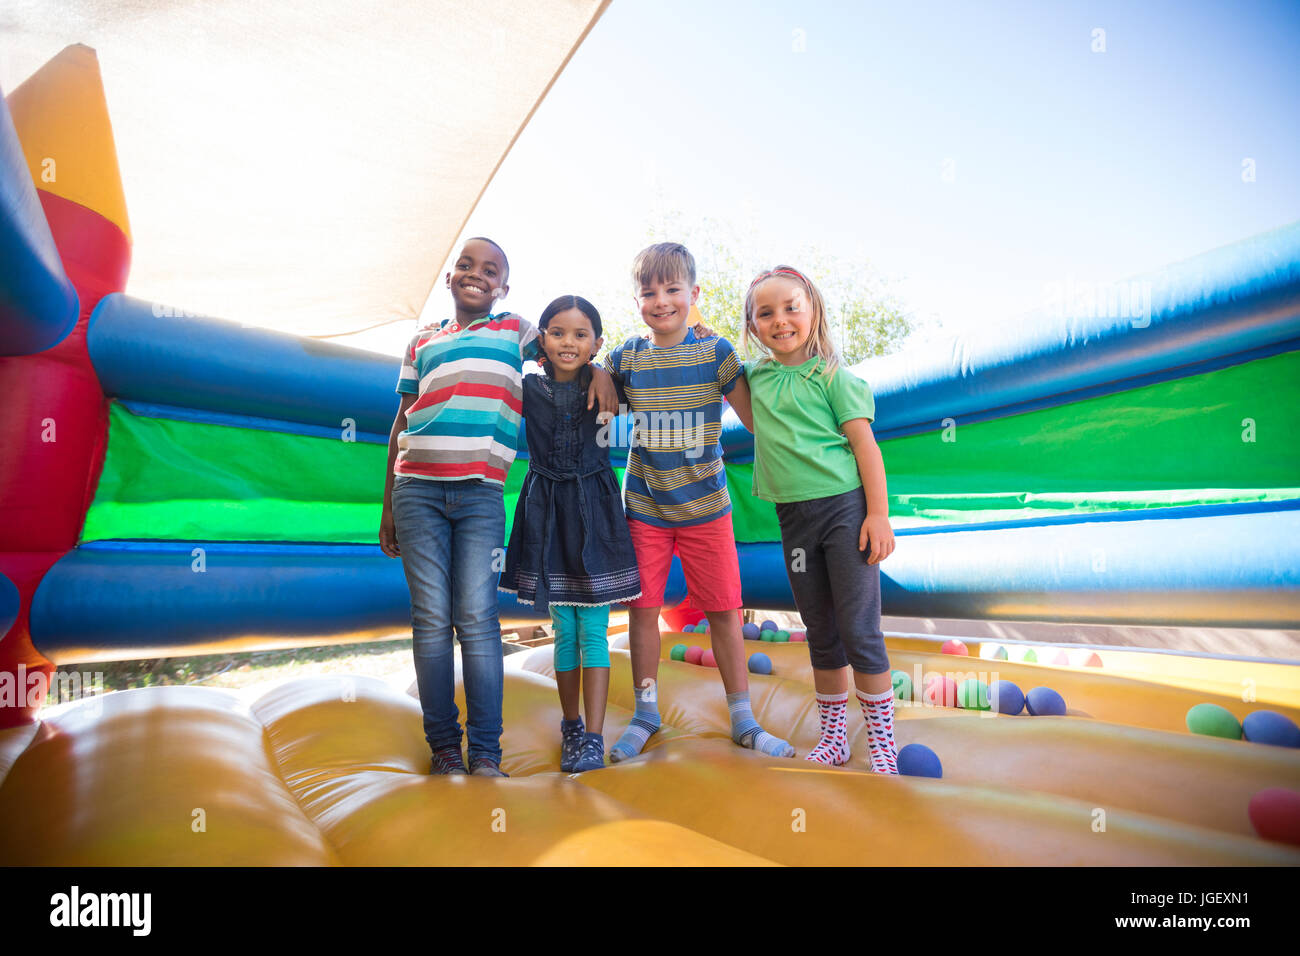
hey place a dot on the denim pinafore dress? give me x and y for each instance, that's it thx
(569, 543)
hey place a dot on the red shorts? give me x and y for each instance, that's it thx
(708, 555)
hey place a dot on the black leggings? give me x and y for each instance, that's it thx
(836, 590)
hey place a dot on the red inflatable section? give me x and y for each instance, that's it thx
(54, 420)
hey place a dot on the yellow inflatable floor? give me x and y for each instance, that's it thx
(333, 771)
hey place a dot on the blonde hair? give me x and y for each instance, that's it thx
(663, 262)
(820, 344)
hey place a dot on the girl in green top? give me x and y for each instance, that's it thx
(816, 459)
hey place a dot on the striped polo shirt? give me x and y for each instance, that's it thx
(675, 475)
(464, 424)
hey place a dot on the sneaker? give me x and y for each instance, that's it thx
(570, 743)
(593, 753)
(486, 767)
(447, 760)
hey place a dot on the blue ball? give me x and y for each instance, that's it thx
(688, 628)
(1045, 702)
(1270, 727)
(1009, 698)
(760, 663)
(751, 631)
(769, 626)
(918, 760)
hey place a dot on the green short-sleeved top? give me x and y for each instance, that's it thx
(799, 451)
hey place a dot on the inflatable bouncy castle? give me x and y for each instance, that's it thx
(177, 483)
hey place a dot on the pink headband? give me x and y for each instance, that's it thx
(778, 272)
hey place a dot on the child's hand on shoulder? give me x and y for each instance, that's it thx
(702, 331)
(876, 532)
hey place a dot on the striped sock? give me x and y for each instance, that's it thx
(747, 731)
(644, 723)
(833, 748)
(878, 709)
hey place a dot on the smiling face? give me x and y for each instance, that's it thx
(665, 307)
(478, 279)
(569, 343)
(783, 319)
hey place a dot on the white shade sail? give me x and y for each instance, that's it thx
(307, 165)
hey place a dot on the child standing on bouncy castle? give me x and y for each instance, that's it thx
(569, 545)
(816, 458)
(676, 488)
(449, 449)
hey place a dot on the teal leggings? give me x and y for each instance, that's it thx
(585, 626)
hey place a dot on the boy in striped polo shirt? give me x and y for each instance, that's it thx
(676, 488)
(449, 450)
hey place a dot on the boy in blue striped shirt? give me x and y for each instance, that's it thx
(676, 488)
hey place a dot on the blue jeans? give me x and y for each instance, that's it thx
(449, 533)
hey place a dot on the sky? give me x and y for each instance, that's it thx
(974, 155)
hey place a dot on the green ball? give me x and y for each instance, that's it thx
(1030, 657)
(902, 685)
(767, 636)
(1213, 721)
(678, 652)
(973, 694)
(782, 637)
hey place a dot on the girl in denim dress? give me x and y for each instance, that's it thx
(569, 546)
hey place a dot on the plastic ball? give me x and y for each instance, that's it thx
(799, 637)
(678, 652)
(1270, 727)
(955, 646)
(707, 659)
(973, 694)
(768, 626)
(902, 685)
(693, 654)
(702, 627)
(760, 663)
(1275, 815)
(1045, 702)
(918, 760)
(782, 637)
(750, 631)
(1213, 721)
(1006, 697)
(767, 635)
(1030, 657)
(940, 691)
(688, 628)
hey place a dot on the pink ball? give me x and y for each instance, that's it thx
(693, 654)
(1275, 815)
(940, 691)
(955, 647)
(799, 637)
(707, 658)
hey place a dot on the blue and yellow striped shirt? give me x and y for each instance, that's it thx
(675, 474)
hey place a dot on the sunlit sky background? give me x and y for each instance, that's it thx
(1065, 164)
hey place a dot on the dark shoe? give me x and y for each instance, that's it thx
(447, 760)
(485, 767)
(571, 732)
(593, 753)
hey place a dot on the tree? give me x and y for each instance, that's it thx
(865, 315)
